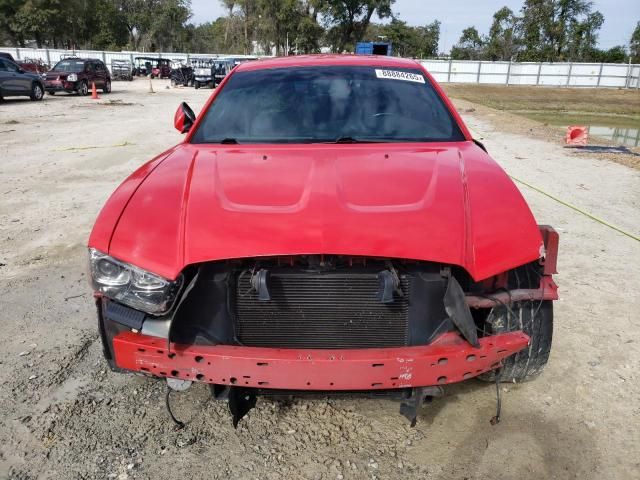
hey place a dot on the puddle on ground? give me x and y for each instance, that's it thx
(624, 136)
(621, 130)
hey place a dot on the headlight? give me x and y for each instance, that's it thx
(72, 77)
(131, 285)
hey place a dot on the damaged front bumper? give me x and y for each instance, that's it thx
(448, 359)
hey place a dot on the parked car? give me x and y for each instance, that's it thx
(77, 75)
(7, 56)
(328, 224)
(16, 82)
(34, 65)
(121, 70)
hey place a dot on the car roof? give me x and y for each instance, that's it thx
(81, 59)
(329, 60)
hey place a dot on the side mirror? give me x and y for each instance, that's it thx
(184, 118)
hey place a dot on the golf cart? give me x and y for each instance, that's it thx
(181, 73)
(121, 70)
(202, 72)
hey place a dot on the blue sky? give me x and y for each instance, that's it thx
(620, 16)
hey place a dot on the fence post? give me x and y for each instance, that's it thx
(17, 53)
(627, 81)
(48, 58)
(479, 68)
(538, 75)
(508, 73)
(104, 57)
(600, 75)
(449, 71)
(569, 74)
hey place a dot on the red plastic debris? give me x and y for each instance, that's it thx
(577, 135)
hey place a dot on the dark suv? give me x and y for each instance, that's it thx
(14, 81)
(77, 75)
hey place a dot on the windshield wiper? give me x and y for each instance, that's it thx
(347, 139)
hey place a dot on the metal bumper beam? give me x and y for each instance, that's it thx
(448, 359)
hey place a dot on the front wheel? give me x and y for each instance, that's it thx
(37, 92)
(83, 89)
(196, 85)
(535, 318)
(107, 87)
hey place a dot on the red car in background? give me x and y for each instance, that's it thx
(77, 75)
(327, 225)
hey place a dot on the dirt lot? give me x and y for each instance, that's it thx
(66, 416)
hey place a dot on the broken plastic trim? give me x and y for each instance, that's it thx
(456, 307)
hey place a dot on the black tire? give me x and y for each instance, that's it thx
(536, 320)
(83, 89)
(37, 92)
(51, 93)
(107, 86)
(196, 85)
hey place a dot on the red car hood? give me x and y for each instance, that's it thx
(444, 202)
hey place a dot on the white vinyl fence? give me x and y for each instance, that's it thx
(616, 75)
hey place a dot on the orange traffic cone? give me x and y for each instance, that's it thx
(94, 92)
(577, 135)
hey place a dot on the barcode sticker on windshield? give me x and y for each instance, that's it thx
(397, 75)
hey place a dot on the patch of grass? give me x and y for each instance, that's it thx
(565, 119)
(550, 100)
(11, 122)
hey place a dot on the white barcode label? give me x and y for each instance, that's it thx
(398, 75)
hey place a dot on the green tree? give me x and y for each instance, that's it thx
(415, 42)
(503, 42)
(634, 45)
(583, 38)
(279, 22)
(8, 27)
(309, 35)
(617, 54)
(347, 20)
(559, 30)
(470, 45)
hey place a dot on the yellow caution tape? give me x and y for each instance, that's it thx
(579, 210)
(67, 149)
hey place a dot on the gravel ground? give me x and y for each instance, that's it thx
(66, 416)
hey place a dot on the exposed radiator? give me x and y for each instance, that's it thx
(321, 310)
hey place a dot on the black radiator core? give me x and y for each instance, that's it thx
(321, 310)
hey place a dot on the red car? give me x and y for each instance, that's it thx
(327, 225)
(77, 75)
